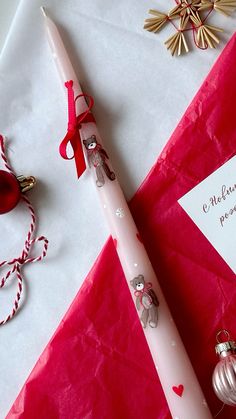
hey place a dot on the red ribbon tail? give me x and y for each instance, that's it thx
(74, 138)
(79, 154)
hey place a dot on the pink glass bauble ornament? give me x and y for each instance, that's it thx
(224, 375)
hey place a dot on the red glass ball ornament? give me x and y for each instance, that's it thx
(10, 191)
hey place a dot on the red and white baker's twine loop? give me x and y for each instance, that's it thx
(24, 258)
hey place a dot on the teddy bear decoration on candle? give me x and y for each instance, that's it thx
(97, 157)
(146, 301)
(224, 375)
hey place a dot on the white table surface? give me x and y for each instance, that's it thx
(140, 92)
(7, 12)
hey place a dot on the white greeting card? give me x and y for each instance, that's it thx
(212, 207)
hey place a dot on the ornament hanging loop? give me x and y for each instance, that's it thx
(223, 331)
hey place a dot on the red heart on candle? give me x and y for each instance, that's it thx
(178, 390)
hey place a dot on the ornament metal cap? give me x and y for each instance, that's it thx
(226, 346)
(26, 183)
(230, 345)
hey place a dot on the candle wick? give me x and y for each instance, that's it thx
(43, 10)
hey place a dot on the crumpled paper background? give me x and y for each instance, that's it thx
(141, 93)
(97, 364)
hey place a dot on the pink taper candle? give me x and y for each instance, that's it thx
(180, 385)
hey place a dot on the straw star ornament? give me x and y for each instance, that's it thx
(192, 16)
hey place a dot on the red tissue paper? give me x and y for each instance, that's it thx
(97, 365)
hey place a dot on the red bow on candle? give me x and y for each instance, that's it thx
(74, 126)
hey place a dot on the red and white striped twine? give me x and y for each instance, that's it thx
(24, 258)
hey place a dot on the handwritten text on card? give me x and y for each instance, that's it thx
(217, 200)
